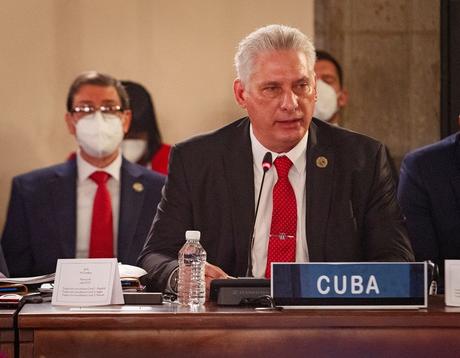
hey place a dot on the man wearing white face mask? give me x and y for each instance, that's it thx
(332, 96)
(96, 204)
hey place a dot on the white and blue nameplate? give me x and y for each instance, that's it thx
(350, 285)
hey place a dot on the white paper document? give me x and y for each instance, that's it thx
(87, 282)
(452, 282)
(127, 271)
(29, 280)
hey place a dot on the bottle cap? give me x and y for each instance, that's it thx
(192, 235)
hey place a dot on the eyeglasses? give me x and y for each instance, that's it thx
(85, 109)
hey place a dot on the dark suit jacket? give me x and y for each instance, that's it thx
(352, 212)
(3, 266)
(41, 221)
(429, 194)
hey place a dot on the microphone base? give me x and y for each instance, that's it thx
(239, 291)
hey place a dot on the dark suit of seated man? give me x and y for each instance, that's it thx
(3, 268)
(345, 206)
(429, 194)
(55, 212)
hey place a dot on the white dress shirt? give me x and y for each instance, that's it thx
(86, 191)
(297, 177)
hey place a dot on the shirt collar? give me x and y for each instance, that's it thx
(85, 169)
(297, 155)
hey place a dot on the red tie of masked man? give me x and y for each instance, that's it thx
(101, 244)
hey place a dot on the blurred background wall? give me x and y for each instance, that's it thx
(390, 53)
(182, 51)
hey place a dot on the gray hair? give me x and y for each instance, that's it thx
(269, 38)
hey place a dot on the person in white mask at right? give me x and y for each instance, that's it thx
(332, 96)
(96, 204)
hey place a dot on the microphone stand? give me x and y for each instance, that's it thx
(266, 165)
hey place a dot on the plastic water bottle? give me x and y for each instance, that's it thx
(192, 260)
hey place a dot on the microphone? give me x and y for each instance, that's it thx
(266, 165)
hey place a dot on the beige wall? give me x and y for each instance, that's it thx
(181, 50)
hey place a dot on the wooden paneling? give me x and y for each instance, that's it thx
(169, 330)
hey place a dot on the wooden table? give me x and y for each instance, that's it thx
(172, 331)
(7, 332)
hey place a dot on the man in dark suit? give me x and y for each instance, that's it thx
(53, 212)
(3, 268)
(429, 194)
(345, 202)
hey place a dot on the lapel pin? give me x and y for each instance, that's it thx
(138, 187)
(321, 162)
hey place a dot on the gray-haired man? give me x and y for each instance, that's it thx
(339, 193)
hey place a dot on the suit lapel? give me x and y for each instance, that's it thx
(320, 170)
(63, 194)
(239, 171)
(131, 202)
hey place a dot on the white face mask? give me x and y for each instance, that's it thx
(99, 135)
(133, 149)
(326, 104)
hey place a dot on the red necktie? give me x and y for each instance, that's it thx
(282, 241)
(101, 244)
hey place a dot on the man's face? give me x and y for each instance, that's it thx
(96, 96)
(327, 71)
(279, 98)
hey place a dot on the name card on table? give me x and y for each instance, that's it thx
(452, 282)
(349, 285)
(87, 282)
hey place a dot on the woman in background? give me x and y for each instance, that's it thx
(142, 144)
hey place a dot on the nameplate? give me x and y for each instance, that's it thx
(452, 282)
(87, 282)
(349, 285)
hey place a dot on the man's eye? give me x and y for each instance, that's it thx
(328, 79)
(271, 90)
(302, 87)
(112, 109)
(83, 109)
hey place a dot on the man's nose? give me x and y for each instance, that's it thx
(290, 101)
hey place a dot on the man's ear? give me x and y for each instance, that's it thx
(239, 92)
(126, 120)
(70, 123)
(342, 98)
